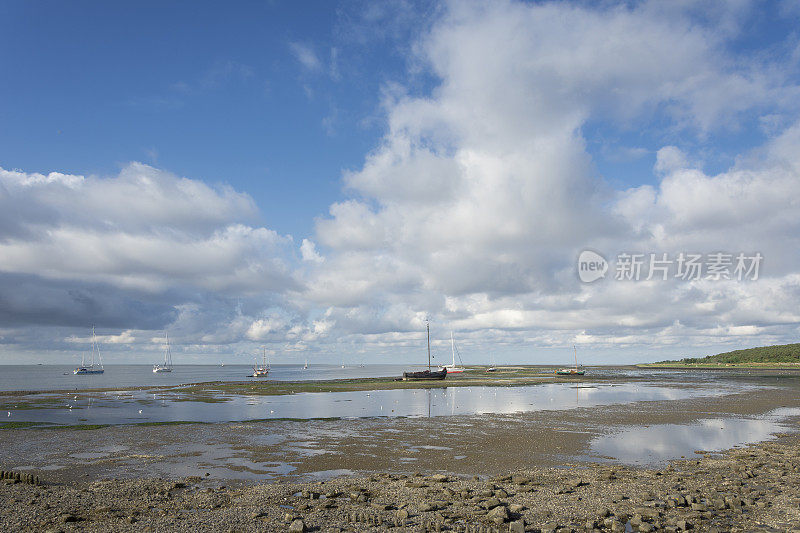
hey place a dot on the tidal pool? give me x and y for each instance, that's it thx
(171, 406)
(663, 442)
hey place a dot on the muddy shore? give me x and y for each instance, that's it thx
(751, 489)
(531, 471)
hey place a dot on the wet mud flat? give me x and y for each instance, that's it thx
(749, 489)
(487, 444)
(536, 471)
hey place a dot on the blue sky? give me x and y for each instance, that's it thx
(211, 93)
(320, 177)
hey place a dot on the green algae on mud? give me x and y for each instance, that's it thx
(22, 425)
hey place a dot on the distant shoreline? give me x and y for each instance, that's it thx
(723, 366)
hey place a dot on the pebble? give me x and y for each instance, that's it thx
(297, 526)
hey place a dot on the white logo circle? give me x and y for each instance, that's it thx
(591, 266)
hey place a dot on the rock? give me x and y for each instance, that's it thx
(647, 512)
(491, 503)
(67, 517)
(440, 478)
(516, 508)
(380, 506)
(298, 526)
(683, 524)
(401, 514)
(616, 525)
(498, 515)
(520, 479)
(427, 507)
(549, 526)
(518, 526)
(646, 528)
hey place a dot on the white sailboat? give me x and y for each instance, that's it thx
(261, 371)
(305, 366)
(91, 368)
(453, 368)
(167, 366)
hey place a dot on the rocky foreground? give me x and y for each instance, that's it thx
(753, 489)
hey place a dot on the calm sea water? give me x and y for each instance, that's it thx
(60, 377)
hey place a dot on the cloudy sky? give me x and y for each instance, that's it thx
(320, 178)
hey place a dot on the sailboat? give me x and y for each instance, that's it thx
(492, 367)
(305, 366)
(91, 369)
(167, 366)
(452, 368)
(426, 374)
(571, 371)
(263, 370)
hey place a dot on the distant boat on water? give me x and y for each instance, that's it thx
(167, 366)
(261, 371)
(91, 368)
(571, 371)
(305, 366)
(426, 374)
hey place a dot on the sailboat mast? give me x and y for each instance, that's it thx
(576, 356)
(94, 343)
(167, 353)
(453, 348)
(429, 346)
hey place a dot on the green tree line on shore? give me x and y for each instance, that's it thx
(783, 353)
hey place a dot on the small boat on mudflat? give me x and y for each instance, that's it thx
(571, 371)
(453, 368)
(426, 374)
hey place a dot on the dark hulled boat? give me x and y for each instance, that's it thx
(426, 374)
